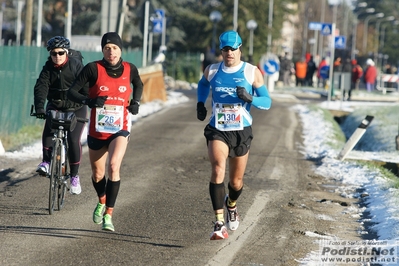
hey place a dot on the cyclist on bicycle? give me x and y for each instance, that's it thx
(56, 77)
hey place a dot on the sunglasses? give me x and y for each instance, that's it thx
(228, 48)
(59, 53)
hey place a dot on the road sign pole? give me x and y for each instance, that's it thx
(271, 65)
(332, 55)
(316, 34)
(145, 37)
(163, 36)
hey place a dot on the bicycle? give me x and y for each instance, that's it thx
(59, 173)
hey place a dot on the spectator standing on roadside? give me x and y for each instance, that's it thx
(337, 68)
(370, 75)
(54, 80)
(388, 69)
(337, 65)
(307, 56)
(300, 72)
(320, 80)
(347, 66)
(108, 97)
(357, 73)
(311, 69)
(236, 86)
(287, 68)
(346, 69)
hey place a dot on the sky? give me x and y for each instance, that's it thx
(382, 201)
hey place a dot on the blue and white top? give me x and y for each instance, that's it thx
(228, 111)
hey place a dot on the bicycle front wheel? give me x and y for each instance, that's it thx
(61, 194)
(54, 173)
(62, 188)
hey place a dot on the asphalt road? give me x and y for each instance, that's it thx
(163, 214)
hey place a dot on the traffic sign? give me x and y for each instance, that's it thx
(270, 64)
(271, 67)
(326, 29)
(315, 25)
(157, 26)
(340, 42)
(325, 72)
(157, 22)
(160, 13)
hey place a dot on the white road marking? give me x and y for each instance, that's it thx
(236, 239)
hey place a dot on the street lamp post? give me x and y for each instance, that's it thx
(354, 30)
(251, 26)
(332, 55)
(355, 14)
(39, 23)
(322, 15)
(382, 39)
(366, 25)
(215, 17)
(269, 26)
(377, 30)
(235, 15)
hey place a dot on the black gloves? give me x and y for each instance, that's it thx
(58, 103)
(40, 114)
(96, 102)
(134, 107)
(243, 94)
(201, 111)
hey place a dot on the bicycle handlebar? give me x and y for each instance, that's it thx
(79, 119)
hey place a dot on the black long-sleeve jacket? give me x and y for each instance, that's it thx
(53, 84)
(78, 92)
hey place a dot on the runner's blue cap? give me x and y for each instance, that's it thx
(230, 38)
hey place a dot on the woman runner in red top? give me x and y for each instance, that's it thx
(108, 97)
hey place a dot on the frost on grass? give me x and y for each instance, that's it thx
(316, 132)
(353, 179)
(380, 135)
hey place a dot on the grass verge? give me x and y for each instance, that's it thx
(338, 139)
(26, 135)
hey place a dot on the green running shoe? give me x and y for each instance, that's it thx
(107, 223)
(98, 213)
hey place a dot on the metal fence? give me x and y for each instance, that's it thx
(184, 66)
(20, 67)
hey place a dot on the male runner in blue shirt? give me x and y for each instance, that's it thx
(236, 86)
